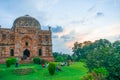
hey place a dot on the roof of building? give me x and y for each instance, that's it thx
(26, 21)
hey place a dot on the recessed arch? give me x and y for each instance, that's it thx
(11, 52)
(40, 52)
(26, 37)
(26, 53)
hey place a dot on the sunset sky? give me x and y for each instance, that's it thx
(71, 20)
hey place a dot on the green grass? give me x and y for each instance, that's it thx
(73, 72)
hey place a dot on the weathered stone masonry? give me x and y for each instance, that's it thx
(25, 38)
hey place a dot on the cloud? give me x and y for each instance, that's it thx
(35, 8)
(65, 37)
(88, 19)
(70, 36)
(57, 29)
(6, 19)
(45, 27)
(83, 21)
(99, 14)
(54, 36)
(60, 46)
(92, 8)
(113, 38)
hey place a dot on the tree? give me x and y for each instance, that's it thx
(101, 53)
(97, 74)
(116, 45)
(59, 59)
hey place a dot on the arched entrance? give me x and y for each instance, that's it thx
(26, 53)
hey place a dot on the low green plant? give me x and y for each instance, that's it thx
(51, 68)
(36, 60)
(13, 60)
(89, 76)
(43, 61)
(101, 71)
(97, 74)
(10, 61)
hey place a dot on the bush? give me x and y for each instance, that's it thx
(97, 74)
(59, 59)
(102, 71)
(89, 76)
(43, 61)
(10, 61)
(36, 60)
(51, 68)
(13, 60)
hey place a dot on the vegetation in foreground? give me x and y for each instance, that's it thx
(35, 72)
(101, 53)
(101, 58)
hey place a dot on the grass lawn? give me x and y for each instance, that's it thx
(73, 72)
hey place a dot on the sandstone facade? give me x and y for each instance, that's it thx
(26, 38)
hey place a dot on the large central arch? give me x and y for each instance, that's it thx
(26, 53)
(26, 44)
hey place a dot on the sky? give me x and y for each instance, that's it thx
(71, 20)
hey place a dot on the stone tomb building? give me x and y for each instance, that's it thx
(25, 40)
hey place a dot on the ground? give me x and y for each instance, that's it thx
(73, 72)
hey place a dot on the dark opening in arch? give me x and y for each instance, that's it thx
(12, 52)
(26, 43)
(40, 52)
(26, 53)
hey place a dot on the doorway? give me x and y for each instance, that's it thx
(26, 53)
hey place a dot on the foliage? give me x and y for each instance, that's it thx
(92, 76)
(13, 60)
(101, 71)
(116, 46)
(43, 61)
(96, 74)
(51, 68)
(106, 58)
(101, 53)
(68, 62)
(77, 69)
(10, 61)
(61, 57)
(36, 60)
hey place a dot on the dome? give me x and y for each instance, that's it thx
(26, 21)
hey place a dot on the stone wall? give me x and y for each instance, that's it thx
(18, 38)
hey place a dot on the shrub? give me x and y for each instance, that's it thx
(68, 62)
(101, 71)
(10, 61)
(97, 74)
(59, 59)
(43, 61)
(51, 68)
(89, 76)
(13, 60)
(36, 60)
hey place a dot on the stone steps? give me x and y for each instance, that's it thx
(25, 61)
(28, 60)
